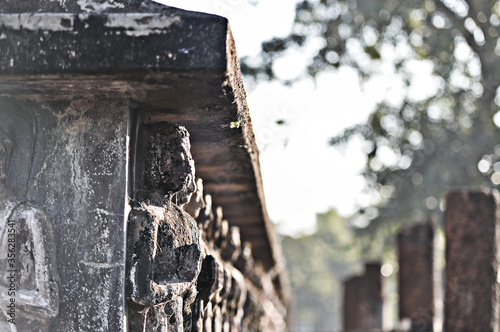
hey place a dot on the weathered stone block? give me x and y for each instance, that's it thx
(416, 275)
(471, 296)
(78, 81)
(363, 300)
(75, 173)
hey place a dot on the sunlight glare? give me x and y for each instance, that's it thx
(386, 270)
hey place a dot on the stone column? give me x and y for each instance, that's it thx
(471, 262)
(416, 275)
(363, 300)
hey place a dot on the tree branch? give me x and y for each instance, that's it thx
(459, 24)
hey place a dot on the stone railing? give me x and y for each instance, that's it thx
(107, 109)
(470, 287)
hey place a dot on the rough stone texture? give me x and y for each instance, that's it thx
(224, 159)
(165, 65)
(83, 35)
(164, 252)
(471, 297)
(29, 287)
(29, 283)
(363, 300)
(194, 206)
(416, 275)
(233, 293)
(237, 302)
(78, 78)
(64, 163)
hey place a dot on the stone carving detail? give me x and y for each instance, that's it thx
(194, 206)
(182, 254)
(29, 293)
(231, 288)
(164, 252)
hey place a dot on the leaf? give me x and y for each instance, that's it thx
(372, 52)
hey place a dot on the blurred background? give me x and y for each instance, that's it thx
(365, 113)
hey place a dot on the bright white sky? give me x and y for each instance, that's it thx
(302, 175)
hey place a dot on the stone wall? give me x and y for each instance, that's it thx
(124, 137)
(73, 174)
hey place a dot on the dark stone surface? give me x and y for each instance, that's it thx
(89, 40)
(231, 246)
(162, 164)
(164, 252)
(363, 300)
(84, 202)
(416, 275)
(75, 6)
(78, 175)
(206, 102)
(471, 295)
(76, 78)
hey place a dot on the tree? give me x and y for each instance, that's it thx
(419, 144)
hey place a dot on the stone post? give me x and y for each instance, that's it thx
(471, 302)
(363, 300)
(416, 275)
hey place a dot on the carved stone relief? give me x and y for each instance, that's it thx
(164, 252)
(29, 290)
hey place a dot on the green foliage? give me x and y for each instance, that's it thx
(436, 139)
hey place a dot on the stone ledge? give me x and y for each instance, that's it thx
(164, 38)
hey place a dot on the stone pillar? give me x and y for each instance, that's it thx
(471, 302)
(363, 300)
(416, 275)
